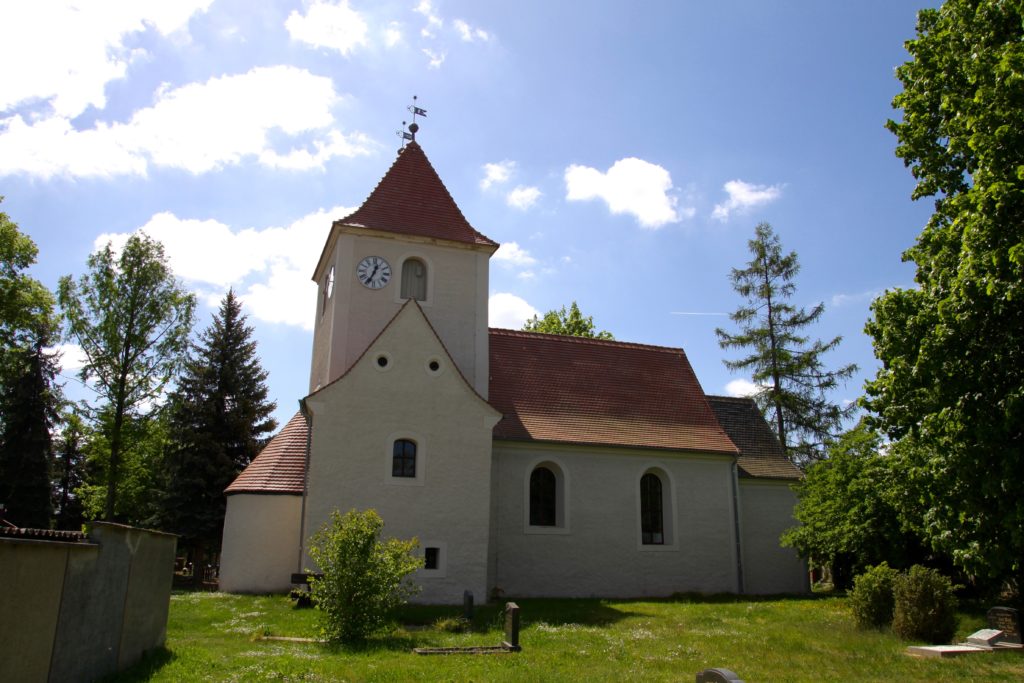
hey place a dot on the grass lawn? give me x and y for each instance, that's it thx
(212, 637)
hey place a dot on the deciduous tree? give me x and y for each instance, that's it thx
(569, 322)
(780, 357)
(951, 383)
(132, 319)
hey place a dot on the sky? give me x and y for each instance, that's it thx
(622, 153)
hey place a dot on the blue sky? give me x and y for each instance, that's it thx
(622, 153)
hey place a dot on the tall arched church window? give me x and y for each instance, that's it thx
(403, 459)
(414, 279)
(652, 520)
(543, 497)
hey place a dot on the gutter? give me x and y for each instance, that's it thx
(736, 526)
(304, 409)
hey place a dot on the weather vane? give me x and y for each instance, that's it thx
(410, 136)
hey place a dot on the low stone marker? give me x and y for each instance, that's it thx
(511, 627)
(718, 676)
(510, 644)
(985, 640)
(1007, 620)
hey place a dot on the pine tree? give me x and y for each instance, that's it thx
(28, 392)
(28, 400)
(781, 360)
(220, 419)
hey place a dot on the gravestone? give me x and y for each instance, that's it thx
(511, 627)
(718, 676)
(467, 605)
(1007, 620)
(986, 637)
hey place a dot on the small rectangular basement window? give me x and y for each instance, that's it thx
(431, 558)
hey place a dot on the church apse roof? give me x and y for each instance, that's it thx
(587, 391)
(281, 465)
(411, 199)
(761, 454)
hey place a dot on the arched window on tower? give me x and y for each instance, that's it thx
(403, 459)
(328, 289)
(414, 279)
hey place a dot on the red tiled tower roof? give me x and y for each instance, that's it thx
(761, 454)
(280, 467)
(411, 199)
(596, 392)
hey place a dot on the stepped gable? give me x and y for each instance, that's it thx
(761, 454)
(586, 391)
(280, 467)
(411, 199)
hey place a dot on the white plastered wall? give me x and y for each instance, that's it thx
(766, 510)
(260, 548)
(357, 419)
(599, 553)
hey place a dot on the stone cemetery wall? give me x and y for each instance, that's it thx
(77, 610)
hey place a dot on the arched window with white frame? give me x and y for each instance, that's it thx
(414, 279)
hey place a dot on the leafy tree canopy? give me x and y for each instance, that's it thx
(779, 356)
(849, 509)
(132, 319)
(569, 322)
(952, 349)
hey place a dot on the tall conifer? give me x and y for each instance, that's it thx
(220, 419)
(785, 363)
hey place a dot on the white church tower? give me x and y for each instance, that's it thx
(408, 241)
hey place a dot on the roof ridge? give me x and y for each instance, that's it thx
(586, 340)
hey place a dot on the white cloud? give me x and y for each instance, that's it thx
(72, 357)
(331, 25)
(511, 254)
(509, 311)
(66, 52)
(433, 20)
(631, 185)
(744, 196)
(198, 127)
(469, 34)
(523, 197)
(270, 269)
(742, 387)
(495, 174)
(847, 299)
(435, 59)
(392, 34)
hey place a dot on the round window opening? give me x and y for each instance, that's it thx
(382, 361)
(434, 366)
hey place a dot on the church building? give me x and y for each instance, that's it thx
(526, 464)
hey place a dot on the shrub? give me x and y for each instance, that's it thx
(364, 578)
(872, 597)
(925, 606)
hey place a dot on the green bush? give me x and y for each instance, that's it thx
(364, 578)
(925, 606)
(872, 598)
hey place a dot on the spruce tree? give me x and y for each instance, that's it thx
(28, 400)
(785, 363)
(220, 419)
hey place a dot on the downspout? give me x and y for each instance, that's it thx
(304, 409)
(736, 526)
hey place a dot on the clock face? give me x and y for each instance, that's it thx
(374, 272)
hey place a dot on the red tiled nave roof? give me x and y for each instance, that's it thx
(588, 391)
(281, 466)
(411, 199)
